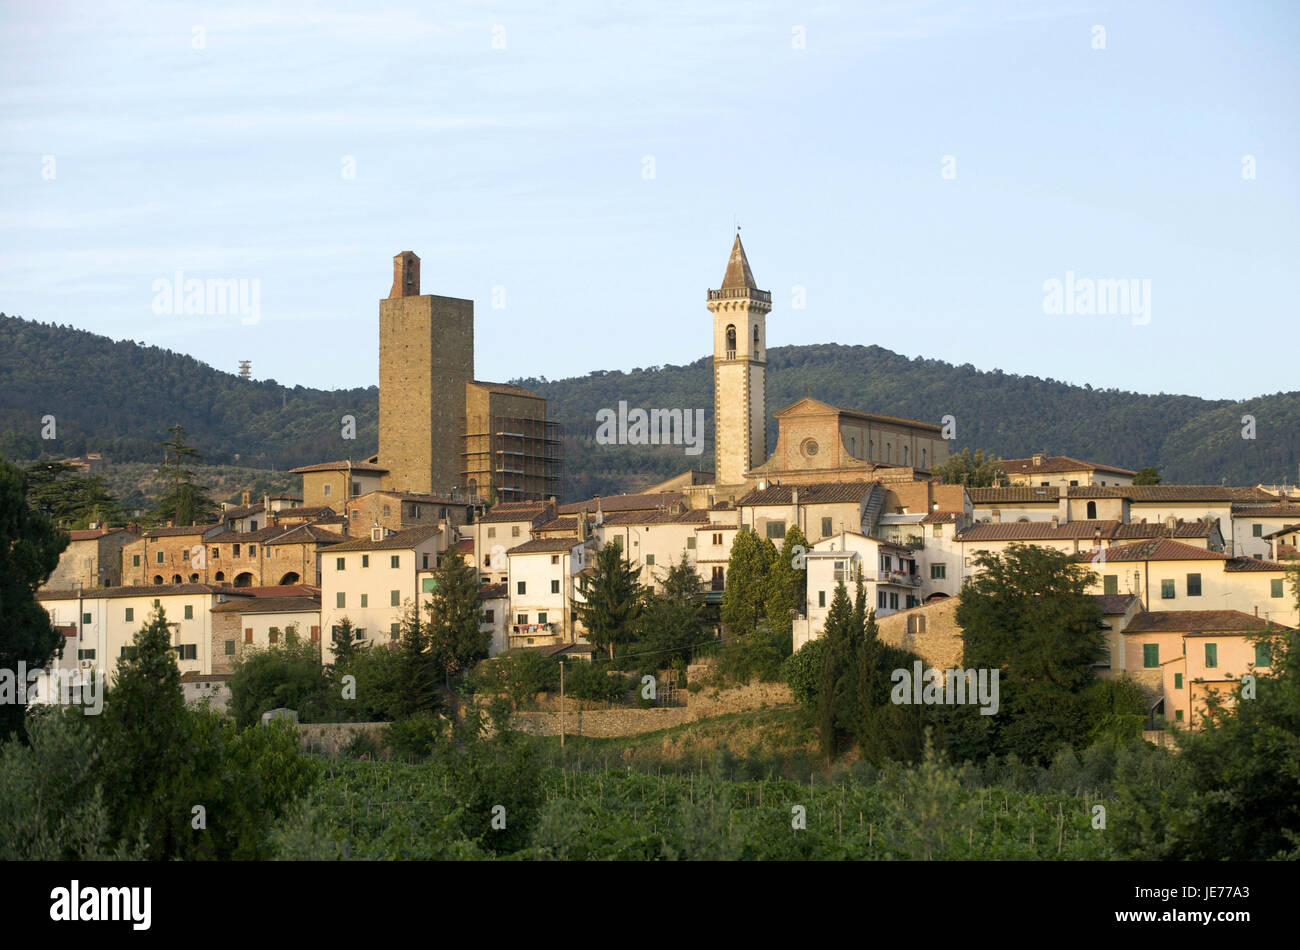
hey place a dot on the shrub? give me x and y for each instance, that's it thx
(592, 681)
(413, 738)
(519, 676)
(802, 670)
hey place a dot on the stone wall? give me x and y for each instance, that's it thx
(327, 738)
(939, 644)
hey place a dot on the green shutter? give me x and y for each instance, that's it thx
(1178, 681)
(1167, 589)
(1150, 655)
(1110, 584)
(1275, 587)
(1211, 655)
(1263, 654)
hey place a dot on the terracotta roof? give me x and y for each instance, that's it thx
(514, 511)
(276, 590)
(1037, 531)
(1195, 621)
(940, 517)
(817, 493)
(315, 511)
(261, 535)
(1160, 549)
(465, 546)
(1190, 493)
(133, 590)
(1013, 494)
(368, 468)
(1134, 530)
(494, 591)
(193, 677)
(690, 516)
(642, 502)
(558, 524)
(1285, 529)
(1238, 564)
(180, 530)
(92, 534)
(307, 534)
(1057, 463)
(269, 605)
(240, 511)
(1266, 511)
(409, 538)
(545, 546)
(1114, 603)
(409, 496)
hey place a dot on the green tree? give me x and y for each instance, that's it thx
(345, 646)
(611, 600)
(837, 661)
(981, 470)
(286, 674)
(743, 600)
(418, 668)
(787, 583)
(672, 624)
(1147, 475)
(455, 617)
(185, 501)
(29, 552)
(1027, 613)
(70, 499)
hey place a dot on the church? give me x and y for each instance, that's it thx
(816, 442)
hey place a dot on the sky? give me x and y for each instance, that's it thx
(913, 175)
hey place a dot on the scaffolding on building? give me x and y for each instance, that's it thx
(520, 459)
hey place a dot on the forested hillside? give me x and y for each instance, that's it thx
(119, 398)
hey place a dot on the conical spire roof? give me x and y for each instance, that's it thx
(738, 274)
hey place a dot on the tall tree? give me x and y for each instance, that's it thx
(71, 499)
(743, 599)
(455, 616)
(1147, 475)
(787, 583)
(1027, 613)
(672, 624)
(836, 663)
(611, 600)
(418, 669)
(980, 470)
(185, 502)
(29, 552)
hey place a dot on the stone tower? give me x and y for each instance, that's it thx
(426, 357)
(739, 311)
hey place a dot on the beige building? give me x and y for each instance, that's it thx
(247, 623)
(93, 558)
(542, 589)
(1040, 470)
(333, 484)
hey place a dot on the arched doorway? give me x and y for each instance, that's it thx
(176, 578)
(290, 578)
(220, 577)
(194, 578)
(157, 579)
(244, 580)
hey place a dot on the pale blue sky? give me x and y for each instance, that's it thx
(523, 167)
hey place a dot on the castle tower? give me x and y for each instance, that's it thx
(739, 311)
(426, 358)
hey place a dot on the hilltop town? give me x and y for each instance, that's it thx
(1186, 576)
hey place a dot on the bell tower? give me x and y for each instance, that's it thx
(740, 312)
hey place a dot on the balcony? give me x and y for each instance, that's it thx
(901, 578)
(535, 629)
(740, 293)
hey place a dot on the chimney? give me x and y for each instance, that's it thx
(1056, 522)
(266, 503)
(794, 495)
(1257, 610)
(1038, 458)
(243, 499)
(997, 516)
(1170, 522)
(406, 275)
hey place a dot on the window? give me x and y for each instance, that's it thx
(521, 587)
(189, 612)
(937, 531)
(938, 572)
(396, 561)
(424, 561)
(85, 618)
(248, 634)
(273, 634)
(428, 585)
(252, 550)
(365, 560)
(827, 527)
(394, 598)
(235, 553)
(216, 553)
(1167, 589)
(1193, 585)
(135, 560)
(340, 599)
(649, 560)
(1275, 587)
(356, 488)
(326, 491)
(881, 600)
(821, 598)
(160, 554)
(1211, 656)
(492, 532)
(1074, 483)
(1178, 681)
(130, 614)
(521, 619)
(1256, 530)
(514, 531)
(188, 651)
(888, 450)
(1150, 655)
(230, 648)
(690, 543)
(356, 513)
(717, 538)
(555, 559)
(394, 630)
(1092, 510)
(541, 616)
(365, 600)
(555, 587)
(1263, 654)
(90, 655)
(893, 601)
(387, 511)
(1178, 715)
(1110, 584)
